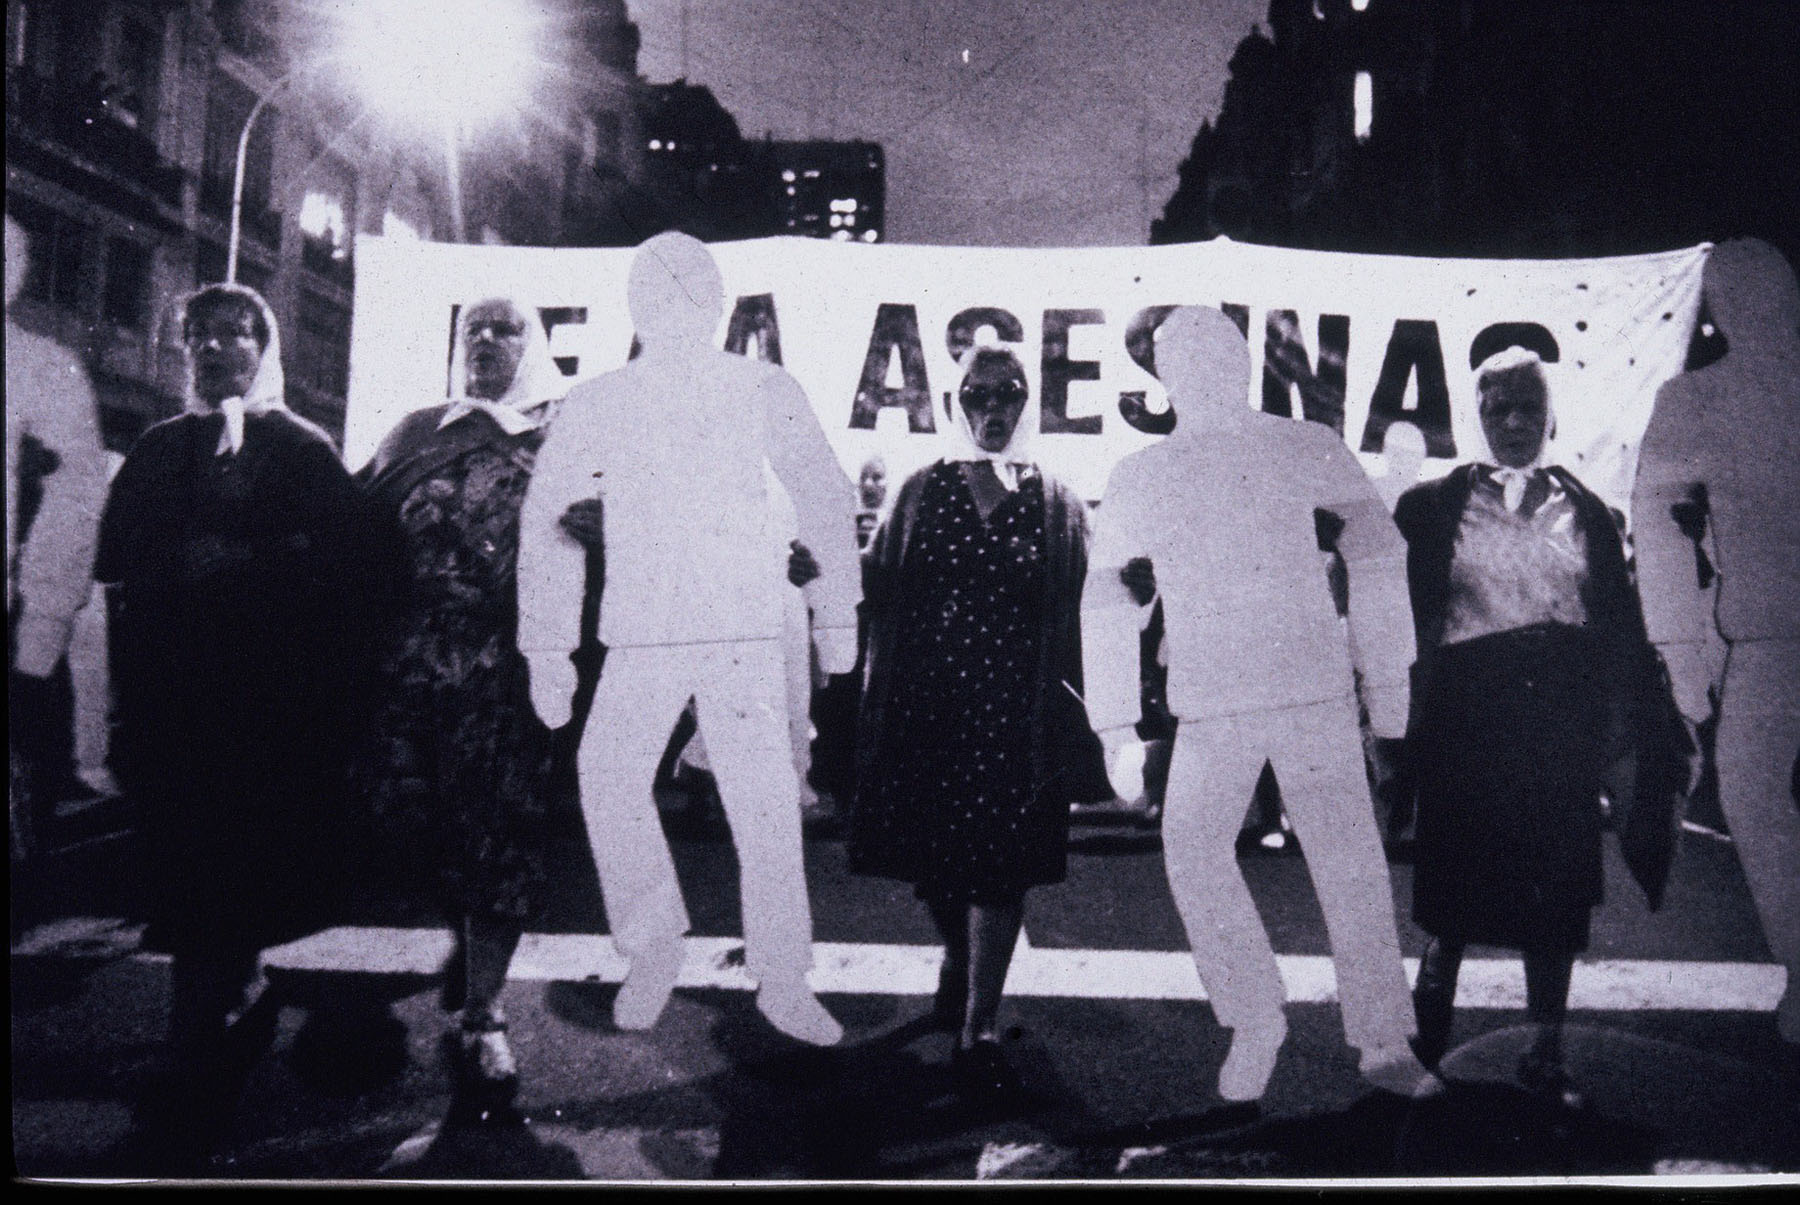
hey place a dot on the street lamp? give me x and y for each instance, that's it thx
(440, 62)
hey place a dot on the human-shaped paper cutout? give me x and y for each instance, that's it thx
(1403, 447)
(1716, 527)
(674, 444)
(1258, 668)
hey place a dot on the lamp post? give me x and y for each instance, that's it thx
(237, 174)
(415, 55)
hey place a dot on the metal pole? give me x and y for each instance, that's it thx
(237, 180)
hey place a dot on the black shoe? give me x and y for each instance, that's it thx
(1435, 1011)
(480, 1100)
(982, 1072)
(1545, 1079)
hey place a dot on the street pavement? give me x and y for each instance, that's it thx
(1672, 1041)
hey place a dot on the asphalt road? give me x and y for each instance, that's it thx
(1672, 1040)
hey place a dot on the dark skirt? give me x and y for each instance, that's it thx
(1508, 749)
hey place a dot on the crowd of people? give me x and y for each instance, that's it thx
(304, 653)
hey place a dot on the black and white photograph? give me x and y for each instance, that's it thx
(759, 593)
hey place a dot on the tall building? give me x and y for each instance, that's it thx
(122, 125)
(704, 178)
(1503, 127)
(835, 190)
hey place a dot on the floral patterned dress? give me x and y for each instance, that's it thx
(459, 772)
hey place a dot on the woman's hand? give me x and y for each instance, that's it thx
(802, 568)
(1139, 576)
(583, 523)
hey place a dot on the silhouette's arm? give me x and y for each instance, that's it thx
(825, 510)
(1381, 627)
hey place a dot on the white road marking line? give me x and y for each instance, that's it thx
(881, 969)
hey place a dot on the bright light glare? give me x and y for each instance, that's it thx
(441, 63)
(1365, 105)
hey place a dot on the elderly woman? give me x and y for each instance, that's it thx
(458, 769)
(1528, 633)
(972, 743)
(233, 533)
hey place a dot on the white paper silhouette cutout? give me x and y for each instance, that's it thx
(1403, 447)
(675, 444)
(1730, 428)
(1258, 668)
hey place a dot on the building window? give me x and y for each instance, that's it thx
(125, 301)
(322, 349)
(58, 249)
(1365, 105)
(134, 66)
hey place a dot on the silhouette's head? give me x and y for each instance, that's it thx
(1404, 447)
(1203, 361)
(1751, 291)
(675, 293)
(1514, 404)
(18, 258)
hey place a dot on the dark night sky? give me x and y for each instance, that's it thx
(1005, 122)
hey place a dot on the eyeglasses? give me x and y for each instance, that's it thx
(493, 328)
(224, 332)
(998, 393)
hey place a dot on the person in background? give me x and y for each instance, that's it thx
(233, 535)
(971, 741)
(1528, 632)
(51, 415)
(871, 497)
(457, 772)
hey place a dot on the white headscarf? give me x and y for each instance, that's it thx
(536, 382)
(268, 388)
(1009, 462)
(1512, 481)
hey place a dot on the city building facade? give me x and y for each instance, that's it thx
(123, 121)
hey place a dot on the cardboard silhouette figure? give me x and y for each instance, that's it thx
(1258, 668)
(1716, 528)
(1403, 447)
(674, 444)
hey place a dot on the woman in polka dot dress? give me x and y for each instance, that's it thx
(973, 742)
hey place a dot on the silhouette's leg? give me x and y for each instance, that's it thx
(1759, 732)
(743, 714)
(1211, 775)
(1318, 759)
(640, 691)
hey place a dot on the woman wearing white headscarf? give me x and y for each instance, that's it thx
(972, 742)
(1530, 637)
(233, 532)
(459, 768)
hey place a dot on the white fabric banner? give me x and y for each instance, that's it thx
(1354, 341)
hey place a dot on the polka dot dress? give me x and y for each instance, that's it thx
(952, 807)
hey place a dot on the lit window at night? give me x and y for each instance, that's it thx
(869, 236)
(656, 144)
(322, 218)
(1365, 105)
(1359, 5)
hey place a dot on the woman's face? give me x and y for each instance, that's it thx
(993, 401)
(494, 339)
(1515, 409)
(222, 342)
(872, 485)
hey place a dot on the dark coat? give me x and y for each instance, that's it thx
(238, 645)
